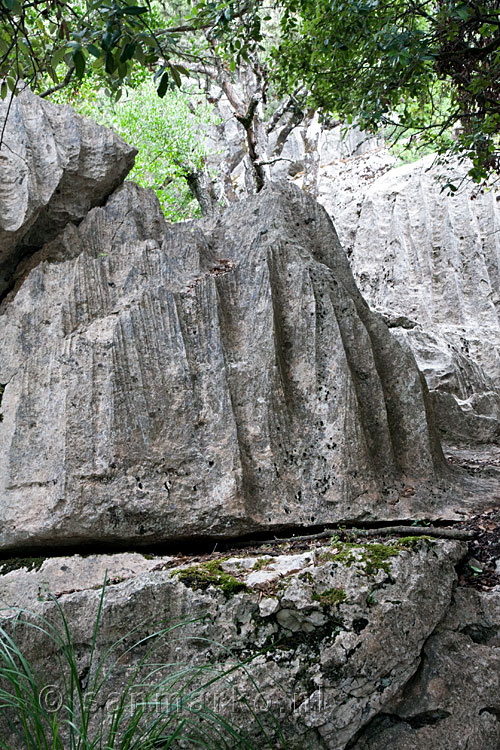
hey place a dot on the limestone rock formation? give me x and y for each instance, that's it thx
(205, 379)
(54, 167)
(453, 699)
(344, 653)
(431, 263)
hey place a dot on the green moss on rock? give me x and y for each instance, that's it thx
(330, 597)
(261, 563)
(374, 555)
(412, 541)
(210, 573)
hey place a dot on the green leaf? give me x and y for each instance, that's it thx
(79, 61)
(134, 10)
(159, 72)
(162, 88)
(94, 50)
(183, 70)
(175, 76)
(475, 567)
(4, 90)
(128, 51)
(58, 57)
(122, 70)
(110, 63)
(52, 73)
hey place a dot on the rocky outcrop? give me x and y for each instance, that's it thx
(426, 259)
(217, 378)
(206, 379)
(431, 263)
(322, 639)
(419, 255)
(54, 167)
(453, 700)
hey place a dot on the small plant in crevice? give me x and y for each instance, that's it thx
(157, 704)
(16, 563)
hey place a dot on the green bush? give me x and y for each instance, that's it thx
(169, 133)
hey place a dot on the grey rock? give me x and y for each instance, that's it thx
(423, 255)
(343, 183)
(29, 583)
(54, 167)
(466, 402)
(334, 666)
(453, 701)
(213, 378)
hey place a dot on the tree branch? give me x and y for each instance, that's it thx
(59, 86)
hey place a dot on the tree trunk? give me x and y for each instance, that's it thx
(202, 188)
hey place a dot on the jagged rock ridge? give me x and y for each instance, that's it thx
(431, 263)
(55, 166)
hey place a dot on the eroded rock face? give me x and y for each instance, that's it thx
(453, 700)
(348, 624)
(54, 167)
(206, 379)
(433, 261)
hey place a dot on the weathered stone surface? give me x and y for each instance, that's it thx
(54, 167)
(348, 623)
(453, 701)
(398, 230)
(342, 181)
(420, 254)
(205, 379)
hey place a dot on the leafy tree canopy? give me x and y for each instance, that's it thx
(41, 37)
(419, 67)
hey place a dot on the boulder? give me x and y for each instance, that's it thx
(327, 641)
(208, 379)
(54, 167)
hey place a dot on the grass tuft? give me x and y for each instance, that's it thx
(159, 705)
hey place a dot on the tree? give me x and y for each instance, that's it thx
(419, 67)
(427, 71)
(39, 38)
